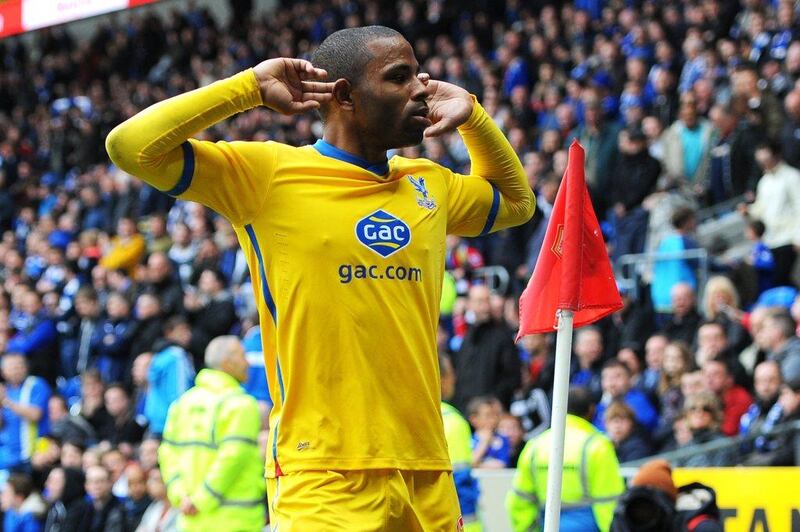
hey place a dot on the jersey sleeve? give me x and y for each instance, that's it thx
(495, 195)
(155, 146)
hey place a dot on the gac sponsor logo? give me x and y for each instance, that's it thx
(383, 233)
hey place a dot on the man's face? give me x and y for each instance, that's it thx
(682, 300)
(54, 485)
(767, 381)
(389, 101)
(236, 364)
(116, 401)
(615, 381)
(480, 303)
(13, 369)
(717, 379)
(711, 339)
(98, 483)
(769, 336)
(137, 482)
(654, 351)
(619, 428)
(589, 346)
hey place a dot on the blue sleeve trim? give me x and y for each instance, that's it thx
(492, 212)
(188, 171)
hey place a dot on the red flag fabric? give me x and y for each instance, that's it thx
(573, 271)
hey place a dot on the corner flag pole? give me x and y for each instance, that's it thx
(555, 469)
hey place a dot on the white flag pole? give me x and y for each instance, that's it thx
(555, 468)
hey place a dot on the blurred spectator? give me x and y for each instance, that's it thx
(24, 413)
(490, 449)
(654, 363)
(678, 361)
(161, 280)
(458, 436)
(733, 170)
(111, 341)
(704, 418)
(585, 366)
(36, 338)
(23, 508)
(734, 399)
(720, 301)
(622, 430)
(210, 308)
(684, 321)
(66, 427)
(487, 361)
(77, 331)
(765, 411)
(777, 338)
(160, 516)
(777, 204)
(108, 513)
(126, 428)
(600, 141)
(92, 406)
(69, 510)
(171, 373)
(126, 249)
(616, 383)
(633, 179)
(147, 325)
(790, 137)
(511, 427)
(687, 145)
(760, 257)
(137, 501)
(670, 273)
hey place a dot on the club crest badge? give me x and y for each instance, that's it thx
(423, 197)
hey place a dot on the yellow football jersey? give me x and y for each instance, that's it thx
(347, 260)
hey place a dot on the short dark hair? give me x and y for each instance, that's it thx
(758, 227)
(771, 146)
(617, 363)
(476, 403)
(580, 402)
(345, 53)
(21, 484)
(681, 216)
(726, 363)
(783, 320)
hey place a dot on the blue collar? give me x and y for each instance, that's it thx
(329, 150)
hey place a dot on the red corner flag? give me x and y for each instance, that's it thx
(573, 271)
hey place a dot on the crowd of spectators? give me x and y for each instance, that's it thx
(110, 290)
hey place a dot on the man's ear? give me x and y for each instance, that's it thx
(342, 94)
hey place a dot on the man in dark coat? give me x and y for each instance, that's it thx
(487, 362)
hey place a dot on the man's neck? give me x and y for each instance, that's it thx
(344, 140)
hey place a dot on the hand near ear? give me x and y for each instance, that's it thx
(450, 106)
(292, 86)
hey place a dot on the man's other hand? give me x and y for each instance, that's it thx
(450, 106)
(292, 86)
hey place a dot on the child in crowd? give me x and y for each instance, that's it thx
(490, 449)
(624, 433)
(760, 257)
